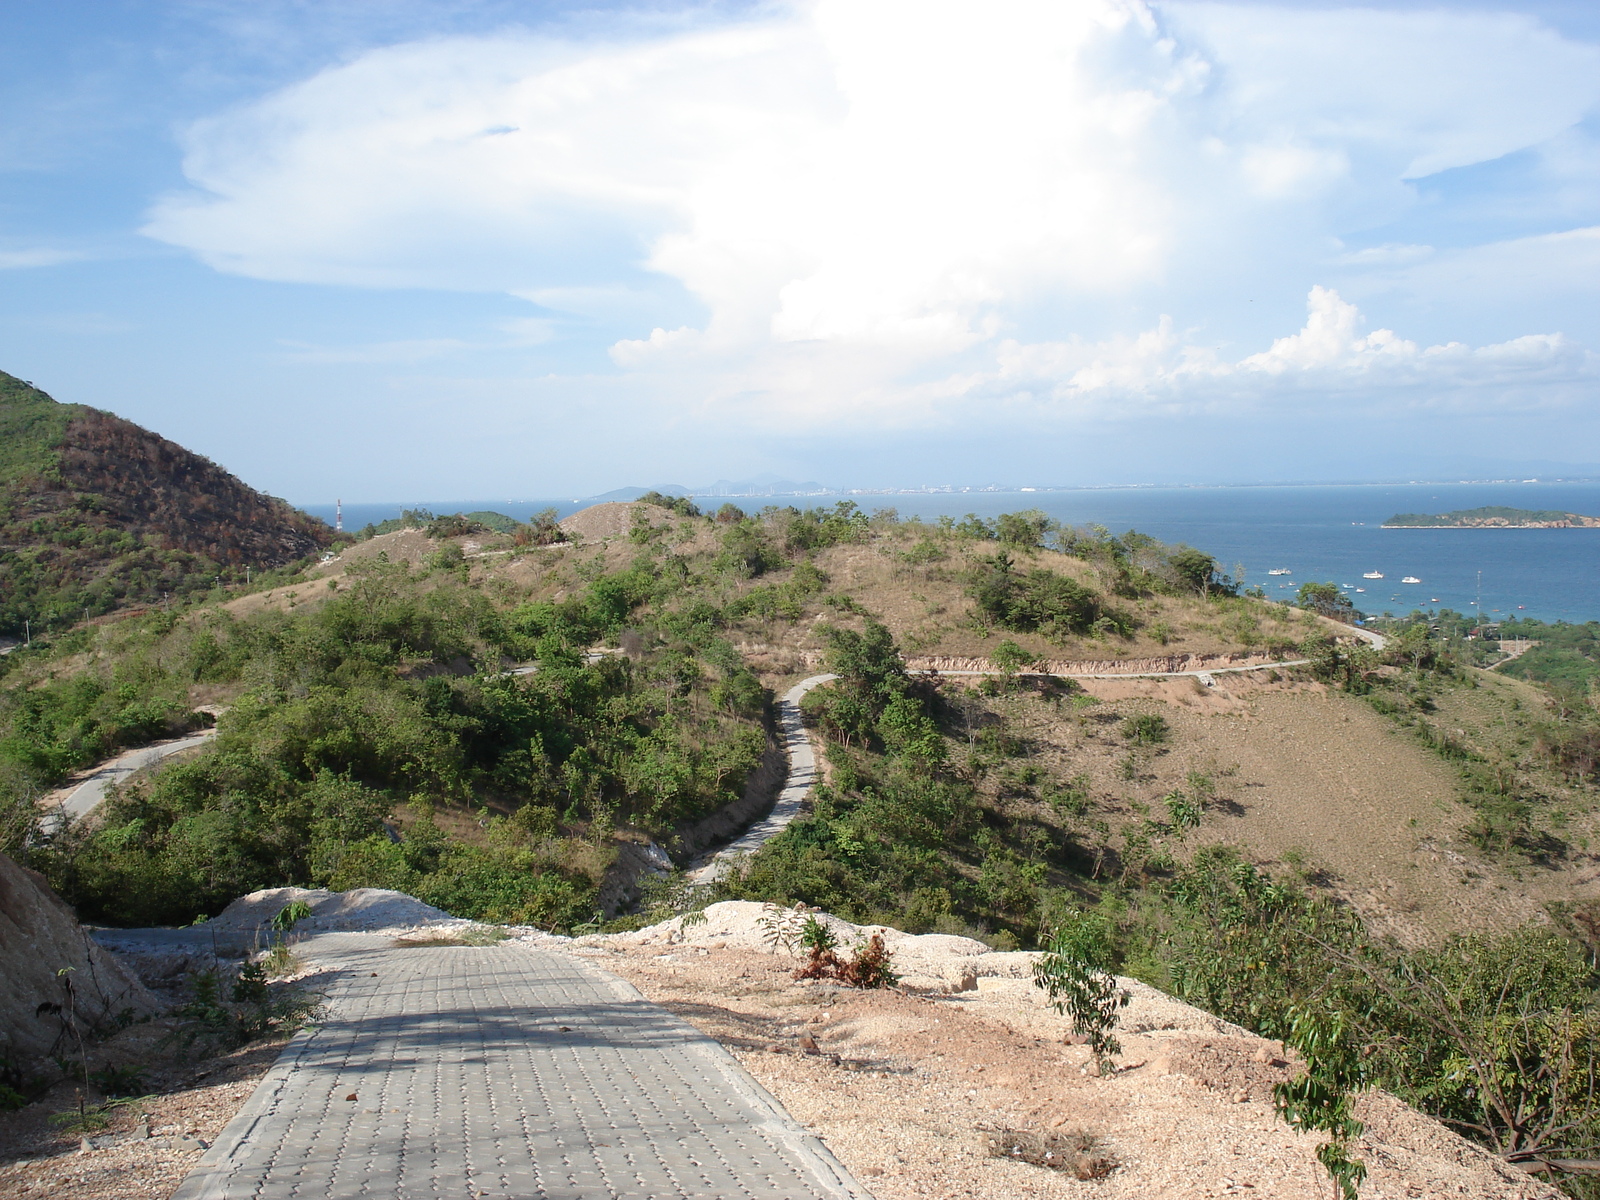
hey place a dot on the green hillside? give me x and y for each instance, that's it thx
(1494, 516)
(32, 429)
(97, 513)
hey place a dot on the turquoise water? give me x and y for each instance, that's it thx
(1324, 533)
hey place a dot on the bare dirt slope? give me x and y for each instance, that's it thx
(1310, 781)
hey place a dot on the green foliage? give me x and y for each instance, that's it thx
(1326, 599)
(1321, 1100)
(806, 531)
(290, 915)
(1490, 515)
(348, 711)
(1075, 972)
(1195, 569)
(682, 505)
(251, 1009)
(1024, 530)
(1567, 656)
(1146, 729)
(1039, 600)
(97, 514)
(32, 429)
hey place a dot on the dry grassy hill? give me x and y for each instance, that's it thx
(1305, 779)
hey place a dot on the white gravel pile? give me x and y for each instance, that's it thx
(360, 910)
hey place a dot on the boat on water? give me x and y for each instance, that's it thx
(1280, 571)
(1411, 579)
(1361, 589)
(1373, 575)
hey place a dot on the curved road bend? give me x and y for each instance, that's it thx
(796, 786)
(803, 763)
(86, 797)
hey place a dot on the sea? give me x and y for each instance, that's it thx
(1324, 533)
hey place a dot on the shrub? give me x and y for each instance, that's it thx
(1146, 729)
(1039, 600)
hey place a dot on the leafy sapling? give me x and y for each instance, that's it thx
(1075, 972)
(1322, 1100)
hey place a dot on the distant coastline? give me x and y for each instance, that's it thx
(1493, 517)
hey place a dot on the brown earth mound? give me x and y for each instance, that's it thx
(599, 522)
(50, 970)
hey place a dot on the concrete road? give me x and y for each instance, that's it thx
(500, 1072)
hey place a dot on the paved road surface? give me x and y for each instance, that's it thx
(796, 787)
(86, 797)
(487, 1073)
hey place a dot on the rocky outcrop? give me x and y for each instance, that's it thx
(52, 976)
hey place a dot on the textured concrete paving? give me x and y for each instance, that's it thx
(504, 1071)
(796, 786)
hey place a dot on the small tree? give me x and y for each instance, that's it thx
(1322, 1100)
(1075, 972)
(1009, 658)
(1327, 600)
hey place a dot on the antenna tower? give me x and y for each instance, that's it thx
(338, 516)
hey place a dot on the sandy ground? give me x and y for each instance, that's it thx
(924, 1095)
(925, 1090)
(146, 1149)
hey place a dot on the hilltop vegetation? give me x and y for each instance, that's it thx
(1494, 516)
(1236, 844)
(97, 513)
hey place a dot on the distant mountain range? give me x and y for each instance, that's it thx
(96, 513)
(728, 488)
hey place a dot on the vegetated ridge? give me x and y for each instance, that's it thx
(1348, 854)
(1494, 516)
(97, 512)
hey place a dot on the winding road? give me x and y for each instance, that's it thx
(86, 797)
(803, 759)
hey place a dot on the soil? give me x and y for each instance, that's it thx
(600, 522)
(1312, 783)
(189, 1105)
(942, 1093)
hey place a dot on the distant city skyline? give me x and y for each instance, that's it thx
(510, 247)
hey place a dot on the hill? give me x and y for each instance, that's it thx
(1494, 516)
(502, 729)
(97, 512)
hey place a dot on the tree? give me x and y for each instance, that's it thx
(1195, 569)
(1024, 529)
(1322, 1099)
(1075, 972)
(1325, 599)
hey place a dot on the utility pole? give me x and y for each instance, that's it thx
(338, 516)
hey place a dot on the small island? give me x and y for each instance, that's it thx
(1493, 517)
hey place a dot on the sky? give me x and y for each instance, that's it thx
(497, 248)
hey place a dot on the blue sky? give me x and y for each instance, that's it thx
(387, 250)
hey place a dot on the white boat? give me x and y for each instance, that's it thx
(1361, 589)
(1373, 575)
(1280, 571)
(1411, 579)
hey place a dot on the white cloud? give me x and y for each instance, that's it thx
(1329, 355)
(885, 209)
(11, 260)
